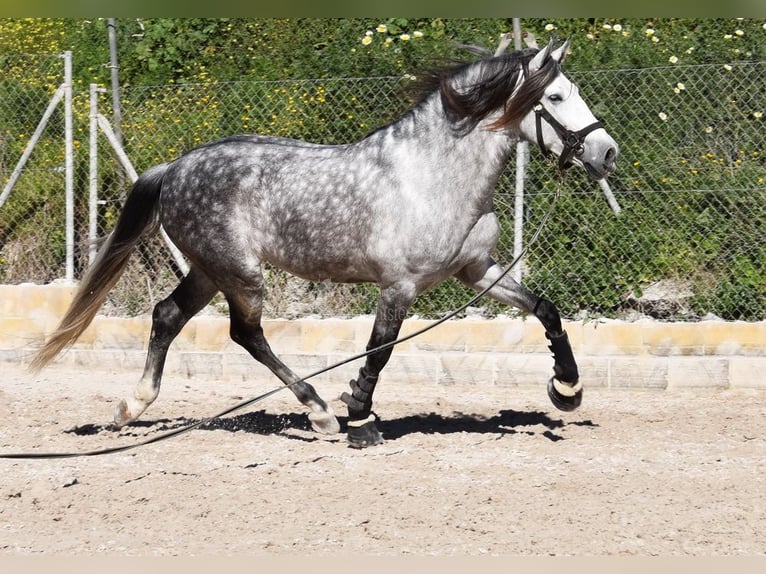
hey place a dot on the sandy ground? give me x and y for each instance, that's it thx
(465, 470)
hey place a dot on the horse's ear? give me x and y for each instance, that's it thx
(561, 52)
(537, 62)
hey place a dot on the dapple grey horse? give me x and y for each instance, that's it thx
(407, 207)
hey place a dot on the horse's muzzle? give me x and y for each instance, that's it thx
(601, 166)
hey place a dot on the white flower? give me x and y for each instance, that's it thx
(739, 32)
(655, 39)
(708, 130)
(617, 27)
(673, 59)
(550, 27)
(758, 115)
(727, 67)
(589, 36)
(663, 116)
(366, 40)
(368, 33)
(680, 86)
(404, 37)
(607, 26)
(649, 31)
(417, 34)
(764, 26)
(382, 28)
(727, 36)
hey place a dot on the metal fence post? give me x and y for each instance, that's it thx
(522, 157)
(93, 174)
(69, 165)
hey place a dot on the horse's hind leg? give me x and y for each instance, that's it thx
(245, 305)
(564, 388)
(169, 316)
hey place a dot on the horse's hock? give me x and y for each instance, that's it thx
(644, 354)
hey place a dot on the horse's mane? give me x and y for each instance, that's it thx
(491, 88)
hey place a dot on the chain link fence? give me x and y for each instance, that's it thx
(32, 212)
(689, 243)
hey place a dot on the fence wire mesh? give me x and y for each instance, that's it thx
(32, 214)
(691, 181)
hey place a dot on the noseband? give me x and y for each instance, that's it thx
(574, 142)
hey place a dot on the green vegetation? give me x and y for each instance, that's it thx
(684, 98)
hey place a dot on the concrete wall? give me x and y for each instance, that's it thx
(513, 352)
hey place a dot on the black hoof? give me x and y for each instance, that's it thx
(564, 402)
(364, 436)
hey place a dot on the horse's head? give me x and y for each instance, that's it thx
(561, 122)
(525, 94)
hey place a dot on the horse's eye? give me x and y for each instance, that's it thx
(555, 98)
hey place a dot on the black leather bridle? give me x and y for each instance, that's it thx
(574, 142)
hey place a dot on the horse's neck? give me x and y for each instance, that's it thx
(427, 134)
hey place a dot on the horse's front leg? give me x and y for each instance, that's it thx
(392, 309)
(564, 387)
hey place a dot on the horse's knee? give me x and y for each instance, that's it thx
(547, 313)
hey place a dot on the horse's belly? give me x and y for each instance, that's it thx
(320, 267)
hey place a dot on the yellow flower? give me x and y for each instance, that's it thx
(366, 40)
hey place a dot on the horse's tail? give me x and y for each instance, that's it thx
(139, 217)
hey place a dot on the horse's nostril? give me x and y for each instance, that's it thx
(611, 155)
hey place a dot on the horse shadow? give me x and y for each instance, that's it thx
(505, 422)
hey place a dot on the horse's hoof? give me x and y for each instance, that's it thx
(122, 414)
(324, 423)
(564, 396)
(127, 411)
(362, 436)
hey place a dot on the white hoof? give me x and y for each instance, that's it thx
(324, 422)
(127, 411)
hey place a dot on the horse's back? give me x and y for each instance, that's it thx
(301, 206)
